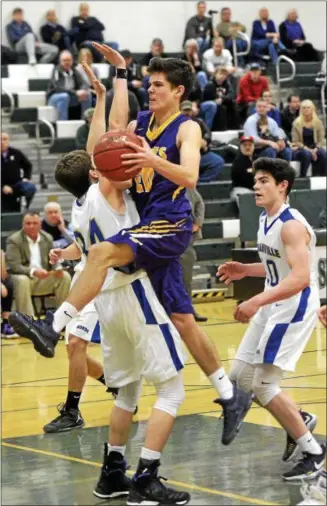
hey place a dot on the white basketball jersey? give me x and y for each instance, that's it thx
(94, 220)
(272, 250)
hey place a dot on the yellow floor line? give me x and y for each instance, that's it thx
(186, 486)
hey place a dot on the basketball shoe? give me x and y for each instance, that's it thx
(113, 481)
(68, 419)
(292, 449)
(313, 495)
(308, 467)
(147, 487)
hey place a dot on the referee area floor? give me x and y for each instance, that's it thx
(62, 469)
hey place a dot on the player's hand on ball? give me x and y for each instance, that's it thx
(111, 55)
(244, 312)
(231, 271)
(55, 255)
(98, 87)
(322, 314)
(143, 156)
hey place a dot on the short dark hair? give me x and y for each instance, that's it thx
(279, 169)
(289, 98)
(178, 72)
(31, 212)
(72, 172)
(17, 10)
(201, 2)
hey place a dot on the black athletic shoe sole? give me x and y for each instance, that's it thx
(48, 430)
(102, 495)
(24, 329)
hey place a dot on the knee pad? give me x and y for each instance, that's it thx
(242, 373)
(128, 396)
(170, 395)
(266, 383)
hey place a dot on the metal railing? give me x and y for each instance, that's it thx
(41, 143)
(236, 54)
(284, 79)
(11, 103)
(323, 102)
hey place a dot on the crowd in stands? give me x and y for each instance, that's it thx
(227, 95)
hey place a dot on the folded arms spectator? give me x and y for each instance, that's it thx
(293, 37)
(199, 27)
(16, 172)
(54, 33)
(308, 141)
(265, 37)
(242, 174)
(68, 87)
(22, 38)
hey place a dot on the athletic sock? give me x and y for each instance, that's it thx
(222, 384)
(101, 379)
(150, 454)
(307, 443)
(119, 449)
(72, 400)
(64, 314)
(322, 480)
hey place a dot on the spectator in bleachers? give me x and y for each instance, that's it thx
(211, 164)
(265, 38)
(27, 257)
(16, 172)
(273, 111)
(85, 54)
(134, 80)
(251, 87)
(68, 87)
(191, 55)
(199, 27)
(189, 256)
(86, 28)
(268, 137)
(308, 140)
(293, 37)
(54, 224)
(54, 33)
(218, 106)
(8, 56)
(216, 57)
(83, 131)
(22, 39)
(242, 174)
(290, 113)
(157, 49)
(228, 30)
(7, 295)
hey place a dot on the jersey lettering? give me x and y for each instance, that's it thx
(273, 279)
(144, 180)
(95, 232)
(80, 242)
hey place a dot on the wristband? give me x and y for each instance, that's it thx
(121, 73)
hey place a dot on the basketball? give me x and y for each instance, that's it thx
(107, 153)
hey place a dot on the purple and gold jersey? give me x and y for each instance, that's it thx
(154, 195)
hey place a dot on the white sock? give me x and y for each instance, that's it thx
(119, 449)
(307, 443)
(64, 314)
(150, 454)
(222, 384)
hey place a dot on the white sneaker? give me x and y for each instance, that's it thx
(313, 495)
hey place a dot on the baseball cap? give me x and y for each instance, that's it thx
(186, 105)
(157, 41)
(245, 138)
(255, 66)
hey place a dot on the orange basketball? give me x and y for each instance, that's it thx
(107, 153)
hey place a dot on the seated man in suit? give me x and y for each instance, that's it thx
(28, 261)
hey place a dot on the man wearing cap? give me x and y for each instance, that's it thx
(211, 164)
(242, 175)
(251, 87)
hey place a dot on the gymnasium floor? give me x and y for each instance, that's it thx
(62, 469)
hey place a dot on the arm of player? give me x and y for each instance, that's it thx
(234, 271)
(187, 173)
(98, 125)
(295, 238)
(72, 252)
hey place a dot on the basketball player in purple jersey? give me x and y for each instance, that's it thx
(169, 159)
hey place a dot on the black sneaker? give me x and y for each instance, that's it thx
(113, 481)
(114, 392)
(68, 419)
(292, 448)
(234, 411)
(40, 332)
(308, 467)
(148, 489)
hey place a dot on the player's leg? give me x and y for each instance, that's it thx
(147, 487)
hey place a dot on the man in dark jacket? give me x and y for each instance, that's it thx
(83, 131)
(199, 27)
(54, 33)
(22, 39)
(16, 171)
(86, 28)
(290, 113)
(242, 175)
(68, 87)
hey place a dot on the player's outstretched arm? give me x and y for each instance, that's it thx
(119, 111)
(233, 271)
(98, 124)
(72, 252)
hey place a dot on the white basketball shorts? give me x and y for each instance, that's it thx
(279, 332)
(85, 326)
(138, 339)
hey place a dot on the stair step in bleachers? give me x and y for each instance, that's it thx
(211, 249)
(63, 145)
(221, 208)
(215, 228)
